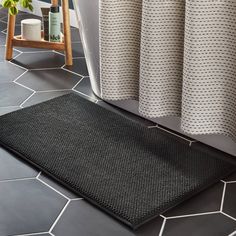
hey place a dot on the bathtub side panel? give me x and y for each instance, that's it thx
(87, 12)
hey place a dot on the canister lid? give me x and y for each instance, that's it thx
(31, 22)
(54, 9)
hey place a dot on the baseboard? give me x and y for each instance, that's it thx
(37, 11)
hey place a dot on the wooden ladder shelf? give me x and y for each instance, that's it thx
(16, 41)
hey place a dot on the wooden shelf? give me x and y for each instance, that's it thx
(65, 45)
(19, 42)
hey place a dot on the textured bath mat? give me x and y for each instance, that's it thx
(131, 172)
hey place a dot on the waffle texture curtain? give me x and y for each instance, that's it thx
(177, 57)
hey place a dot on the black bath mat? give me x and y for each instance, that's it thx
(131, 172)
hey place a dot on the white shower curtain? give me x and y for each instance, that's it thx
(177, 57)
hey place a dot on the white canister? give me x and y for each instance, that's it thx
(31, 29)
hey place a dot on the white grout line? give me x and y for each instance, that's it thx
(192, 215)
(162, 227)
(15, 180)
(58, 53)
(63, 68)
(10, 107)
(30, 234)
(15, 64)
(21, 105)
(38, 174)
(78, 83)
(94, 100)
(76, 199)
(229, 182)
(24, 86)
(36, 51)
(188, 140)
(52, 188)
(50, 68)
(223, 198)
(225, 214)
(153, 127)
(59, 216)
(232, 234)
(78, 57)
(53, 90)
(20, 75)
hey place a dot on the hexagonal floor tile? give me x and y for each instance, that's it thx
(28, 206)
(43, 96)
(204, 225)
(13, 94)
(84, 87)
(66, 192)
(13, 168)
(21, 16)
(5, 110)
(9, 72)
(2, 53)
(77, 50)
(81, 218)
(75, 35)
(206, 201)
(231, 178)
(230, 200)
(3, 26)
(44, 80)
(2, 38)
(3, 12)
(40, 60)
(79, 67)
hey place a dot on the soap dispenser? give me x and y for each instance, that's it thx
(54, 24)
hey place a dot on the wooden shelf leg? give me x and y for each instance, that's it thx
(10, 36)
(67, 33)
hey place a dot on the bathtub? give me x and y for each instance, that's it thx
(87, 13)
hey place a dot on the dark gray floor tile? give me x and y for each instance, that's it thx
(126, 114)
(84, 87)
(230, 200)
(3, 12)
(79, 67)
(2, 53)
(231, 178)
(58, 186)
(40, 60)
(13, 168)
(43, 96)
(17, 30)
(81, 218)
(2, 38)
(3, 26)
(207, 201)
(9, 72)
(28, 206)
(75, 35)
(5, 110)
(13, 94)
(84, 96)
(77, 50)
(204, 225)
(44, 80)
(22, 16)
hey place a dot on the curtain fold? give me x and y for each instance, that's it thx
(178, 58)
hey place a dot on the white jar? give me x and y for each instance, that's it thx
(31, 29)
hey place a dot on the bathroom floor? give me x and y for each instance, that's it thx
(33, 204)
